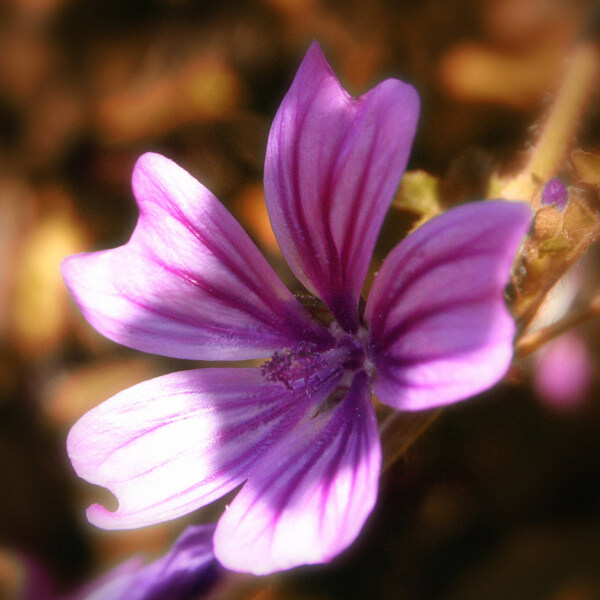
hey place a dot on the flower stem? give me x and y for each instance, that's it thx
(400, 430)
(531, 342)
(560, 125)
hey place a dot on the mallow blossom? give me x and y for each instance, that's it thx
(187, 571)
(564, 372)
(299, 431)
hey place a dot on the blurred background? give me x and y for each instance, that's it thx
(501, 497)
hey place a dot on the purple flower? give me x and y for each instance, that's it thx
(187, 571)
(300, 431)
(555, 192)
(564, 372)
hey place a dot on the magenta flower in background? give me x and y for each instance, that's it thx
(564, 372)
(300, 431)
(186, 572)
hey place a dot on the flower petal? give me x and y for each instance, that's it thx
(307, 499)
(439, 327)
(189, 283)
(167, 446)
(333, 164)
(186, 571)
(189, 570)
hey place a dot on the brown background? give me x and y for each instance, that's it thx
(501, 497)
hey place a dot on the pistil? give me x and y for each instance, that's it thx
(303, 363)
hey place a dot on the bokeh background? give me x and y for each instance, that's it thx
(500, 498)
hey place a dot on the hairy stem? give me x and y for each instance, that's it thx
(560, 125)
(531, 342)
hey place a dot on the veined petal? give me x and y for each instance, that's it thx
(332, 167)
(167, 446)
(189, 283)
(307, 499)
(439, 327)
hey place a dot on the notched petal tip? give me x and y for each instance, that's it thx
(332, 167)
(154, 173)
(189, 283)
(440, 330)
(314, 66)
(170, 445)
(68, 268)
(100, 516)
(308, 498)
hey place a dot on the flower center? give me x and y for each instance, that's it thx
(291, 364)
(304, 365)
